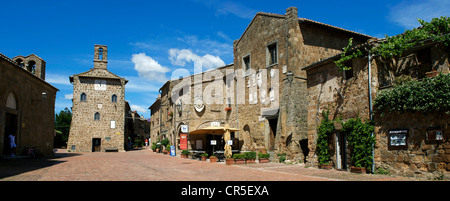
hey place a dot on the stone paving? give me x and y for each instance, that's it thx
(145, 165)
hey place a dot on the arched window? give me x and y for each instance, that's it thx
(114, 98)
(97, 116)
(31, 66)
(100, 54)
(11, 101)
(83, 97)
(20, 62)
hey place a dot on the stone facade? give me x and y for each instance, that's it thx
(346, 95)
(269, 110)
(99, 108)
(27, 105)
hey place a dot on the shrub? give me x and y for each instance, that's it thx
(361, 140)
(250, 155)
(263, 155)
(238, 156)
(326, 127)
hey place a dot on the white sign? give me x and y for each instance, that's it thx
(230, 142)
(215, 124)
(184, 128)
(213, 142)
(113, 124)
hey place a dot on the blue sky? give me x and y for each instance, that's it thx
(147, 40)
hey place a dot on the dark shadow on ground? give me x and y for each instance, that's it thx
(18, 165)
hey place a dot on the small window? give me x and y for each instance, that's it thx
(246, 63)
(83, 97)
(97, 116)
(272, 54)
(114, 98)
(20, 62)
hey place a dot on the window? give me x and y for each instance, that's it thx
(114, 98)
(97, 116)
(246, 64)
(272, 55)
(20, 62)
(83, 97)
(100, 54)
(31, 67)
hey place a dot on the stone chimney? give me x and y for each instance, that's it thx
(292, 13)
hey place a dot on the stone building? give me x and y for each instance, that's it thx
(283, 44)
(346, 94)
(27, 105)
(99, 108)
(266, 84)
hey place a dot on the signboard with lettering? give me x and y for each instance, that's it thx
(398, 139)
(183, 141)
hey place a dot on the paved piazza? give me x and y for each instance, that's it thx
(144, 165)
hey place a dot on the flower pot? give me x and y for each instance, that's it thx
(358, 170)
(213, 159)
(250, 161)
(229, 161)
(204, 158)
(239, 161)
(263, 160)
(326, 166)
(184, 156)
(432, 73)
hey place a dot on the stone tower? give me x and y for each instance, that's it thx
(33, 64)
(98, 121)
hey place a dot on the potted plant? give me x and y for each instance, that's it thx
(213, 159)
(168, 149)
(239, 158)
(250, 157)
(204, 156)
(154, 146)
(432, 73)
(262, 150)
(185, 153)
(263, 157)
(229, 161)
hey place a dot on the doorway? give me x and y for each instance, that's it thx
(96, 144)
(10, 128)
(341, 151)
(273, 132)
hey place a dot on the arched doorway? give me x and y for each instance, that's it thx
(10, 122)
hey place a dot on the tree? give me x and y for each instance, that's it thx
(62, 123)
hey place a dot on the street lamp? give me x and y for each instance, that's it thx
(290, 76)
(179, 107)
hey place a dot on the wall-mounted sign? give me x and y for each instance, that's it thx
(213, 142)
(435, 134)
(199, 105)
(398, 139)
(184, 128)
(215, 124)
(230, 142)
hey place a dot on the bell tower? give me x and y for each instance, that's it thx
(100, 56)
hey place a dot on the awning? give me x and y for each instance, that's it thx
(214, 130)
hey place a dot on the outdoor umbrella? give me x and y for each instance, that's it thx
(227, 137)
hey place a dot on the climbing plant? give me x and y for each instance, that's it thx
(427, 95)
(438, 29)
(326, 127)
(361, 140)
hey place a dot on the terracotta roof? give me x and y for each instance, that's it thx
(331, 26)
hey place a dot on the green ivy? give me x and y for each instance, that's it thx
(438, 29)
(326, 127)
(361, 140)
(427, 95)
(344, 57)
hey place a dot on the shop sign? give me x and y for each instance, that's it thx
(184, 128)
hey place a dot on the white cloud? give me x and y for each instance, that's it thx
(406, 13)
(140, 84)
(57, 79)
(68, 96)
(140, 109)
(180, 57)
(149, 68)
